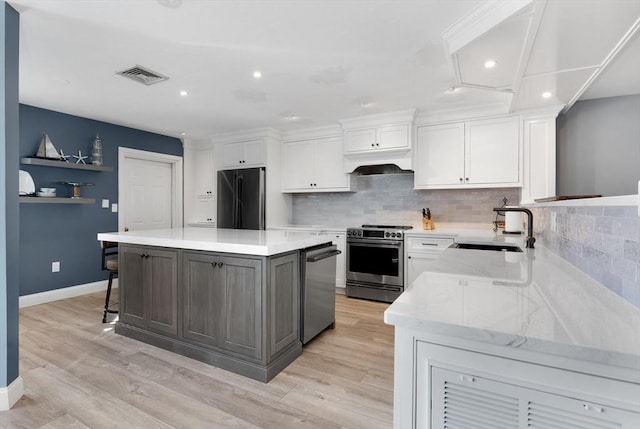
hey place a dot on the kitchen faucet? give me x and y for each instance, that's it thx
(530, 237)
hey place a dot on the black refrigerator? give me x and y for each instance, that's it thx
(241, 198)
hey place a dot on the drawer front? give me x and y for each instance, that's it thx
(427, 243)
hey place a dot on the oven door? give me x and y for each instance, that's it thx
(375, 261)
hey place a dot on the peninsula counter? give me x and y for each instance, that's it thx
(226, 297)
(515, 339)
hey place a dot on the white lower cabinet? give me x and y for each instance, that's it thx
(340, 240)
(457, 388)
(420, 252)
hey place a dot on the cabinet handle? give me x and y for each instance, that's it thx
(377, 144)
(467, 179)
(408, 257)
(220, 264)
(461, 179)
(214, 264)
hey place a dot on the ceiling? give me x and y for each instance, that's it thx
(321, 61)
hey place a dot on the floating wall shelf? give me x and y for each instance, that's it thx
(63, 164)
(57, 200)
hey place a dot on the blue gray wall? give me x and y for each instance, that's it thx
(67, 232)
(598, 147)
(9, 218)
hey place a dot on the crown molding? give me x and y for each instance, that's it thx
(239, 136)
(401, 116)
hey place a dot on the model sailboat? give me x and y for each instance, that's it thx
(47, 149)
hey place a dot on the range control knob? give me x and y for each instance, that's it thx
(387, 234)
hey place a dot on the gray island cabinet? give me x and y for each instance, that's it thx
(237, 311)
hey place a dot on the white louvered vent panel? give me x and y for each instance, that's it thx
(465, 402)
(545, 417)
(549, 411)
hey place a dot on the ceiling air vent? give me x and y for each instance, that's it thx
(143, 75)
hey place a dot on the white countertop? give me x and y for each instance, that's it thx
(530, 301)
(241, 241)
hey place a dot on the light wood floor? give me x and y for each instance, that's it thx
(78, 373)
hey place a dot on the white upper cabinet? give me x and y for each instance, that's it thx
(244, 154)
(389, 137)
(439, 151)
(474, 154)
(204, 170)
(314, 165)
(492, 151)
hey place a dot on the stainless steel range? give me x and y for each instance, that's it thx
(375, 262)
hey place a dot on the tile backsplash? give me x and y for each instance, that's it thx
(604, 242)
(391, 199)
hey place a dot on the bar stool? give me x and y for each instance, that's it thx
(109, 263)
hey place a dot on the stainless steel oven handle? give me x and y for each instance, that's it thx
(368, 241)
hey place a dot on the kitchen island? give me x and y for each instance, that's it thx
(505, 339)
(226, 297)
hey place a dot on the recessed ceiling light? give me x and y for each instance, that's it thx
(452, 89)
(184, 93)
(291, 117)
(546, 94)
(257, 74)
(365, 104)
(489, 64)
(183, 134)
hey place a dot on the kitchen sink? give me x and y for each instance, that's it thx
(498, 247)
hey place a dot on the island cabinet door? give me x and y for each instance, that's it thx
(242, 319)
(202, 298)
(162, 287)
(148, 279)
(131, 277)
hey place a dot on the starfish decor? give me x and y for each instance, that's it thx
(80, 158)
(63, 157)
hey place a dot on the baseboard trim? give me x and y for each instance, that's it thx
(64, 293)
(11, 394)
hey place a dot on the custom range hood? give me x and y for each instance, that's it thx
(368, 170)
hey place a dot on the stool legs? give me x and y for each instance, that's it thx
(108, 297)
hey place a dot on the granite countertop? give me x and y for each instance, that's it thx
(533, 300)
(241, 241)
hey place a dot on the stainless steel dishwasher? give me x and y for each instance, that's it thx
(317, 289)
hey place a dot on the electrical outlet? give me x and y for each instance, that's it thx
(114, 208)
(105, 204)
(55, 267)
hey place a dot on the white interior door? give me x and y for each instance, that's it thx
(149, 192)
